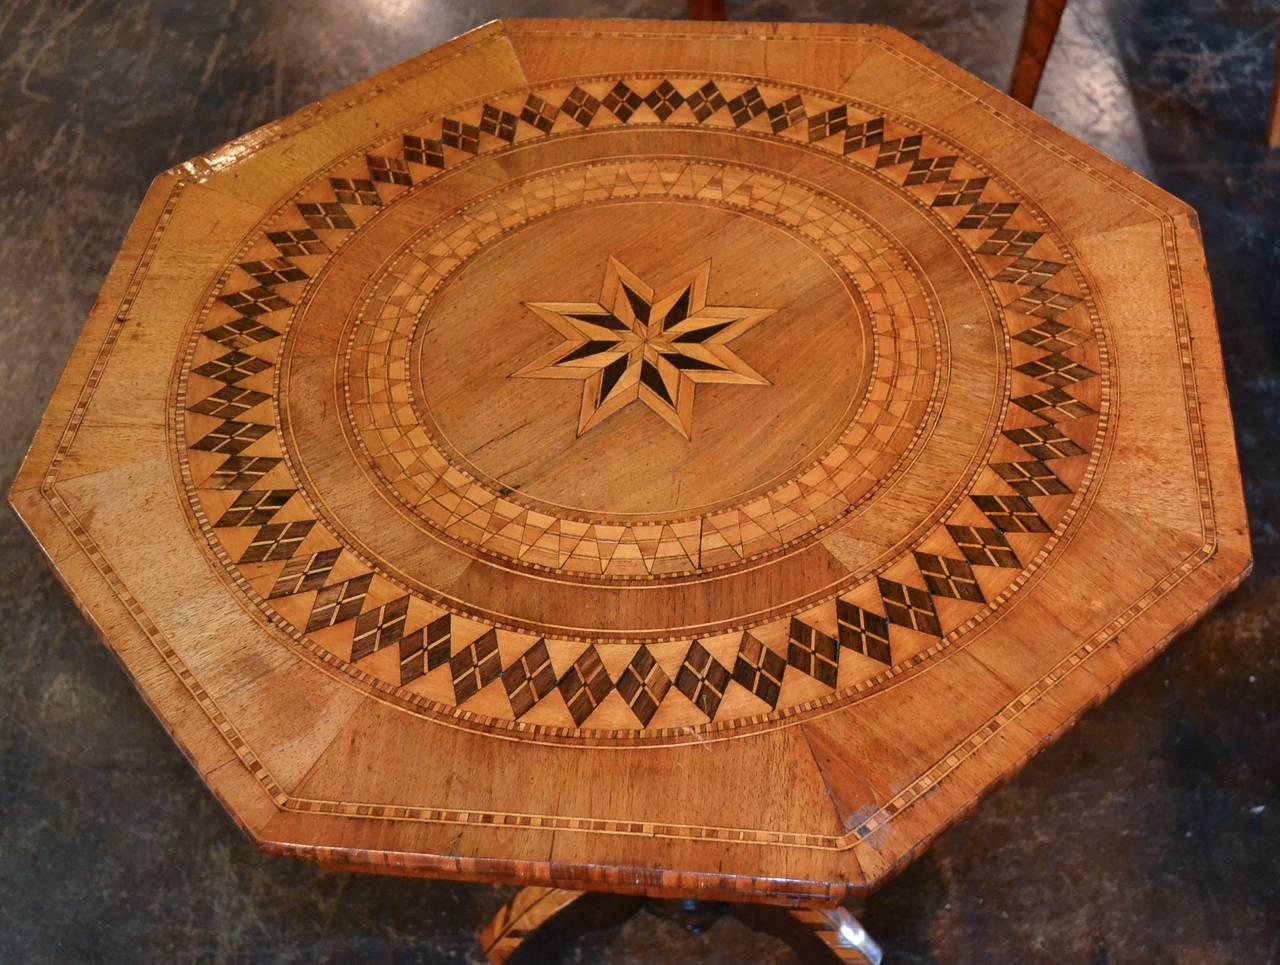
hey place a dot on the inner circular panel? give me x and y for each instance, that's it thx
(523, 432)
(619, 362)
(572, 606)
(657, 606)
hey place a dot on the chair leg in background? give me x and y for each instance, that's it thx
(706, 9)
(1038, 33)
(1273, 126)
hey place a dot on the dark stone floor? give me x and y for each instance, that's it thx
(1151, 833)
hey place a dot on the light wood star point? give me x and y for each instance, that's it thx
(638, 343)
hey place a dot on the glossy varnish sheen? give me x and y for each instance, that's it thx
(666, 458)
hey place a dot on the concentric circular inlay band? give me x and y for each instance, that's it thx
(460, 423)
(860, 390)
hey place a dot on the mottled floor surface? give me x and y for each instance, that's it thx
(1151, 833)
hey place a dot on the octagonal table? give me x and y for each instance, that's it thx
(677, 460)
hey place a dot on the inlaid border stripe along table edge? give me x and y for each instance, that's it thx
(112, 325)
(320, 805)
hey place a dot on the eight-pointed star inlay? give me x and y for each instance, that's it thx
(636, 343)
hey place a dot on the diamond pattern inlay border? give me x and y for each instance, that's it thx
(999, 230)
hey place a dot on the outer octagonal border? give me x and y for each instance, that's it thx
(931, 777)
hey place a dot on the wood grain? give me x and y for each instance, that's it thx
(587, 455)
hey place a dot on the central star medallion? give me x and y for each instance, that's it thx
(640, 344)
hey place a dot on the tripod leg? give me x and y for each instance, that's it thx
(517, 919)
(817, 935)
(531, 926)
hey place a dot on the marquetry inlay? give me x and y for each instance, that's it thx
(698, 459)
(489, 367)
(638, 344)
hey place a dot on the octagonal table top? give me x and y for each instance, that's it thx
(684, 458)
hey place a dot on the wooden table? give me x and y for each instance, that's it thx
(666, 459)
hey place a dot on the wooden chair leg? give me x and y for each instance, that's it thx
(1038, 32)
(1273, 127)
(517, 920)
(706, 9)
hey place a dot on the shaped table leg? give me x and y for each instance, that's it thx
(818, 934)
(517, 919)
(841, 933)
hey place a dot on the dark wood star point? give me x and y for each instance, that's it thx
(636, 343)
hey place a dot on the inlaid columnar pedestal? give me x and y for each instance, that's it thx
(693, 461)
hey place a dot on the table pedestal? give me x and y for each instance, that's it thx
(543, 916)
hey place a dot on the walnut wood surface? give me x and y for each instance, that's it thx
(669, 458)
